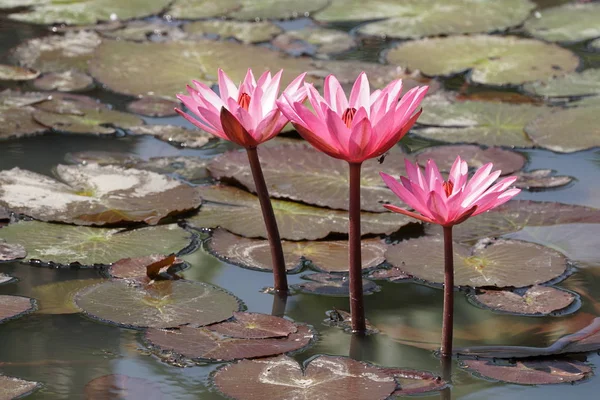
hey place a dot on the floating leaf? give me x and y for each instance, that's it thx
(17, 122)
(200, 344)
(323, 377)
(68, 81)
(15, 73)
(118, 386)
(11, 251)
(197, 9)
(500, 263)
(96, 121)
(15, 99)
(141, 267)
(161, 304)
(566, 131)
(541, 179)
(57, 297)
(176, 135)
(251, 10)
(239, 212)
(68, 103)
(15, 307)
(343, 320)
(595, 44)
(583, 83)
(388, 274)
(6, 279)
(413, 382)
(444, 156)
(95, 195)
(102, 158)
(529, 372)
(66, 244)
(492, 60)
(139, 31)
(311, 40)
(537, 300)
(327, 256)
(245, 32)
(255, 326)
(13, 388)
(153, 107)
(331, 285)
(566, 23)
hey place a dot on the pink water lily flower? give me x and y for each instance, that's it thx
(356, 129)
(247, 115)
(450, 202)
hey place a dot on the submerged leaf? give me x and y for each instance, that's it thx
(15, 307)
(57, 297)
(95, 121)
(321, 41)
(122, 387)
(537, 300)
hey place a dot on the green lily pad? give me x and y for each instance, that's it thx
(172, 65)
(176, 135)
(102, 158)
(595, 44)
(197, 9)
(566, 131)
(89, 12)
(499, 263)
(160, 304)
(492, 60)
(57, 297)
(251, 10)
(16, 73)
(93, 121)
(68, 81)
(245, 32)
(70, 104)
(535, 301)
(153, 107)
(239, 212)
(65, 244)
(95, 195)
(140, 31)
(11, 251)
(541, 179)
(418, 18)
(585, 83)
(15, 307)
(327, 256)
(321, 41)
(588, 101)
(566, 23)
(331, 285)
(8, 4)
(122, 387)
(15, 388)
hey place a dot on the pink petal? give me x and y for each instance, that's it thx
(334, 95)
(270, 93)
(432, 174)
(264, 79)
(207, 94)
(318, 142)
(296, 89)
(438, 208)
(269, 127)
(402, 192)
(399, 210)
(459, 174)
(379, 109)
(316, 101)
(338, 130)
(235, 131)
(202, 125)
(361, 93)
(394, 90)
(248, 84)
(359, 139)
(226, 86)
(393, 137)
(285, 106)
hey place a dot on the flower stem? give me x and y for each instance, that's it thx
(357, 306)
(279, 304)
(279, 274)
(448, 321)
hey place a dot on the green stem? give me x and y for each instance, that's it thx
(357, 307)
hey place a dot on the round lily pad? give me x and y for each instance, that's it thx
(119, 64)
(251, 10)
(245, 32)
(160, 304)
(331, 285)
(417, 18)
(541, 179)
(583, 83)
(14, 388)
(95, 195)
(153, 107)
(529, 372)
(535, 301)
(327, 256)
(239, 212)
(499, 263)
(255, 326)
(57, 297)
(313, 40)
(71, 104)
(15, 99)
(15, 307)
(94, 121)
(566, 131)
(197, 9)
(81, 13)
(566, 23)
(66, 244)
(492, 60)
(68, 81)
(11, 251)
(504, 160)
(16, 73)
(203, 344)
(139, 31)
(143, 267)
(118, 386)
(176, 135)
(322, 377)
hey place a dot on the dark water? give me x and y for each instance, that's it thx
(64, 352)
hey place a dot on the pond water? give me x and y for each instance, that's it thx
(66, 351)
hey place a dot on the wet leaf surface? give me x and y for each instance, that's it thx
(327, 256)
(413, 382)
(160, 304)
(13, 388)
(202, 344)
(566, 23)
(93, 121)
(254, 326)
(175, 135)
(16, 73)
(580, 124)
(15, 307)
(153, 107)
(392, 274)
(499, 263)
(140, 31)
(583, 83)
(331, 285)
(239, 212)
(144, 267)
(57, 297)
(68, 103)
(117, 386)
(17, 122)
(491, 60)
(66, 244)
(530, 372)
(537, 300)
(95, 195)
(314, 41)
(541, 179)
(68, 81)
(245, 32)
(343, 320)
(6, 279)
(11, 251)
(322, 377)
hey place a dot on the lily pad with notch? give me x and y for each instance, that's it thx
(566, 23)
(331, 285)
(57, 297)
(245, 32)
(175, 135)
(16, 73)
(160, 304)
(15, 388)
(68, 81)
(119, 386)
(535, 301)
(584, 83)
(490, 263)
(12, 307)
(153, 107)
(63, 245)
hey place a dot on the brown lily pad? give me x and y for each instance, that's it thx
(413, 382)
(68, 81)
(175, 135)
(153, 107)
(389, 274)
(116, 386)
(18, 122)
(16, 73)
(537, 300)
(144, 267)
(57, 297)
(14, 388)
(323, 377)
(541, 179)
(102, 158)
(11, 251)
(343, 320)
(15, 307)
(331, 285)
(254, 326)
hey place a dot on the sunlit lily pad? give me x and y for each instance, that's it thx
(15, 388)
(566, 23)
(161, 304)
(139, 31)
(567, 130)
(529, 372)
(492, 60)
(95, 195)
(176, 135)
(313, 40)
(331, 285)
(11, 251)
(201, 344)
(16, 73)
(327, 256)
(149, 267)
(15, 306)
(239, 212)
(122, 387)
(583, 83)
(57, 297)
(323, 377)
(255, 326)
(392, 274)
(197, 9)
(245, 32)
(500, 263)
(418, 18)
(94, 121)
(172, 65)
(71, 104)
(15, 99)
(541, 179)
(537, 300)
(68, 81)
(153, 107)
(276, 9)
(66, 244)
(82, 13)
